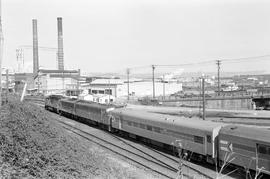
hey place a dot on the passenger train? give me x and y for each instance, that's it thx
(247, 147)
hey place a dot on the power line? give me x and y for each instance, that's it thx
(40, 47)
(140, 67)
(207, 62)
(186, 64)
(232, 60)
(246, 58)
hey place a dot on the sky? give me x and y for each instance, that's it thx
(112, 35)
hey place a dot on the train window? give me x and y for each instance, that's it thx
(244, 147)
(156, 129)
(142, 126)
(198, 139)
(135, 124)
(129, 123)
(95, 91)
(101, 91)
(149, 128)
(208, 138)
(262, 149)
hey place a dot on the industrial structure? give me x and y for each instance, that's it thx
(60, 52)
(1, 52)
(35, 47)
(45, 81)
(57, 81)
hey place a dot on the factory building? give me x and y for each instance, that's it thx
(57, 81)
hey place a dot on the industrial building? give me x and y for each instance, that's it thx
(57, 81)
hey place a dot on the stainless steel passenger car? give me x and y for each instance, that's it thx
(194, 135)
(248, 147)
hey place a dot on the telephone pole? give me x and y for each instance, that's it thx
(1, 52)
(7, 85)
(203, 96)
(128, 71)
(78, 83)
(163, 87)
(218, 65)
(153, 79)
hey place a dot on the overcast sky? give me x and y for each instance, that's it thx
(107, 35)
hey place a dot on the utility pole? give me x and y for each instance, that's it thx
(7, 85)
(218, 64)
(110, 90)
(128, 71)
(38, 82)
(163, 87)
(153, 78)
(203, 96)
(1, 52)
(78, 83)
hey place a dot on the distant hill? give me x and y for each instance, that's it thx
(184, 74)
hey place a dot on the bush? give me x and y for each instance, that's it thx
(34, 146)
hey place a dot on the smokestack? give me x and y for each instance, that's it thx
(60, 53)
(35, 47)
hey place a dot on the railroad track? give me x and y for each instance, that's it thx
(132, 150)
(125, 153)
(142, 158)
(171, 160)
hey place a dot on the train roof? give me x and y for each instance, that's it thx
(168, 119)
(250, 132)
(55, 96)
(88, 103)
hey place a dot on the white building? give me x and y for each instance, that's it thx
(140, 89)
(56, 81)
(86, 97)
(117, 88)
(103, 98)
(105, 86)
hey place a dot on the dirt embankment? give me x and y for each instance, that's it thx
(34, 146)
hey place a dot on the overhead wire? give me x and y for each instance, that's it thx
(232, 60)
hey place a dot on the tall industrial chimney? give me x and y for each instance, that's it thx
(60, 52)
(35, 47)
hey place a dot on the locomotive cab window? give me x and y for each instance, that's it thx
(208, 138)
